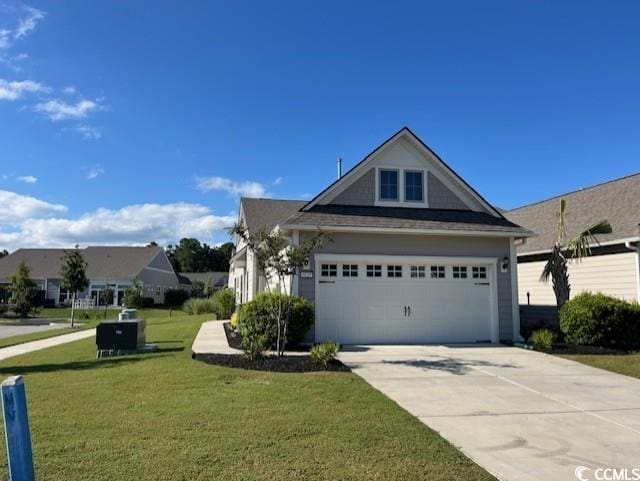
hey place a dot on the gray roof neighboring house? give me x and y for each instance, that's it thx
(617, 201)
(403, 218)
(267, 213)
(218, 279)
(102, 262)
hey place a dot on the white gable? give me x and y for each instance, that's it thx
(404, 152)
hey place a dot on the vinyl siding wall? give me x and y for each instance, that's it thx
(613, 274)
(389, 244)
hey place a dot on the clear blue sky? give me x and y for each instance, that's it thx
(183, 105)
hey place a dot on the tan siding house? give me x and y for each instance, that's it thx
(614, 265)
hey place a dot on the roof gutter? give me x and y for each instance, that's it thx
(398, 230)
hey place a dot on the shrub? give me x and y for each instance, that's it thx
(197, 305)
(224, 303)
(175, 297)
(258, 325)
(324, 353)
(133, 298)
(3, 308)
(600, 320)
(147, 302)
(543, 338)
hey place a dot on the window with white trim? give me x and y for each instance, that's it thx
(374, 270)
(413, 186)
(349, 270)
(329, 270)
(459, 272)
(418, 272)
(479, 272)
(394, 271)
(437, 272)
(388, 184)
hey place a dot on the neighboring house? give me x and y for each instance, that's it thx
(215, 280)
(415, 254)
(112, 266)
(613, 266)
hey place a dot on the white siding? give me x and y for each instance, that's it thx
(613, 274)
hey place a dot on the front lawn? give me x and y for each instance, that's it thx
(164, 416)
(627, 364)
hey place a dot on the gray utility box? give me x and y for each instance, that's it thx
(127, 335)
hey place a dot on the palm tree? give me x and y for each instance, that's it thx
(575, 248)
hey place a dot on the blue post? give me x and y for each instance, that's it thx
(16, 429)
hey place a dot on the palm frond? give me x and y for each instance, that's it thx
(580, 245)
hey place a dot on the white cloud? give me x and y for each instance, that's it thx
(14, 90)
(17, 207)
(57, 109)
(130, 225)
(69, 89)
(94, 172)
(88, 132)
(233, 188)
(5, 39)
(29, 23)
(278, 181)
(28, 179)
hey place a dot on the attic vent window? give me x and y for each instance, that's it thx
(388, 185)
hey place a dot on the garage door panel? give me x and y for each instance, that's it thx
(404, 310)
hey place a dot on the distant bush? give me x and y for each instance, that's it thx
(224, 303)
(3, 308)
(543, 339)
(600, 320)
(133, 297)
(258, 326)
(175, 297)
(197, 305)
(324, 353)
(147, 302)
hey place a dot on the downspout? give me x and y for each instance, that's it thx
(635, 249)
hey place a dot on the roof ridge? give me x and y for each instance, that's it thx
(600, 184)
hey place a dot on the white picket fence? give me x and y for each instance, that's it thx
(88, 303)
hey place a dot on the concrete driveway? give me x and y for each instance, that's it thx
(10, 330)
(522, 415)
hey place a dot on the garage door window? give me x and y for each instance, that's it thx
(437, 272)
(374, 270)
(349, 270)
(329, 270)
(479, 272)
(459, 272)
(394, 271)
(418, 272)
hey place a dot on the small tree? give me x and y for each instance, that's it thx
(133, 294)
(73, 273)
(279, 259)
(23, 290)
(563, 250)
(107, 295)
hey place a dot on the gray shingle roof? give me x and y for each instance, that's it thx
(617, 201)
(217, 279)
(403, 218)
(267, 213)
(102, 262)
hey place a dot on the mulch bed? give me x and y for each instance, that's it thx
(588, 350)
(296, 363)
(300, 363)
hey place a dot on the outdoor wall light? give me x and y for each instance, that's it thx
(504, 264)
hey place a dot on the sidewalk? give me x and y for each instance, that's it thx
(211, 339)
(27, 347)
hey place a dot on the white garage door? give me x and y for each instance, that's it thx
(409, 300)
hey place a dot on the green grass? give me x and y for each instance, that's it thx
(627, 364)
(164, 416)
(64, 314)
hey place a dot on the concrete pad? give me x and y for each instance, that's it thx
(522, 415)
